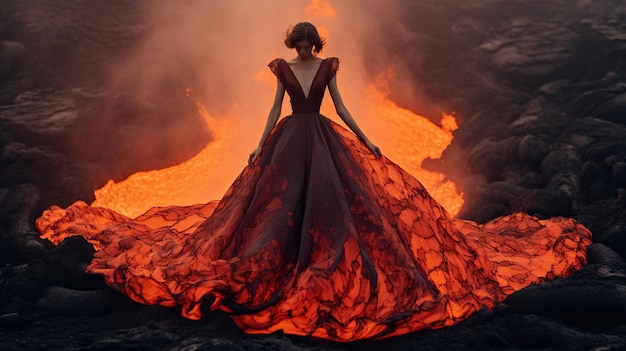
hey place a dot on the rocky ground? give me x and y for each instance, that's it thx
(540, 88)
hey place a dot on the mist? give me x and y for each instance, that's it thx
(217, 54)
(220, 51)
(196, 73)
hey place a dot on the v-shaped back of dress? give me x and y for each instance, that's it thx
(299, 102)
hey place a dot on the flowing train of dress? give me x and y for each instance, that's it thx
(321, 238)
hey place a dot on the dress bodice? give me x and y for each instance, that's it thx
(299, 102)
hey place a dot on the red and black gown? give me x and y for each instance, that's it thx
(321, 238)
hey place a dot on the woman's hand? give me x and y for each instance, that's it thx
(253, 155)
(373, 148)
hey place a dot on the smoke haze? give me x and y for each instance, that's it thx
(220, 50)
(169, 56)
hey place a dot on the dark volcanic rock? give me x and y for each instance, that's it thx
(613, 110)
(607, 138)
(569, 184)
(540, 118)
(64, 266)
(11, 320)
(38, 165)
(546, 203)
(598, 182)
(539, 89)
(602, 99)
(601, 254)
(619, 173)
(49, 173)
(17, 206)
(482, 212)
(531, 332)
(601, 215)
(14, 77)
(12, 55)
(93, 35)
(43, 111)
(68, 261)
(561, 158)
(532, 150)
(69, 302)
(531, 53)
(615, 237)
(489, 156)
(600, 300)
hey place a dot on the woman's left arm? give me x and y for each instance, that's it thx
(346, 117)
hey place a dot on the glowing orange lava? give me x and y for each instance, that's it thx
(317, 265)
(409, 139)
(404, 137)
(200, 179)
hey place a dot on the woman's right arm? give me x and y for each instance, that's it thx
(272, 118)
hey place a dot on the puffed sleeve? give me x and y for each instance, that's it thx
(334, 66)
(275, 67)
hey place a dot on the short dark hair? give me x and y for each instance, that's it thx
(304, 31)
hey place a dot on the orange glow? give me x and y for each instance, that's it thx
(404, 137)
(383, 259)
(408, 139)
(200, 179)
(320, 9)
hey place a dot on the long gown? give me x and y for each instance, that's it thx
(321, 238)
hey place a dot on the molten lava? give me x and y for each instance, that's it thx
(409, 139)
(404, 137)
(320, 238)
(203, 178)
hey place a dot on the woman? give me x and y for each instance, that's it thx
(305, 40)
(321, 235)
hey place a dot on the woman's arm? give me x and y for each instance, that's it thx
(272, 118)
(346, 117)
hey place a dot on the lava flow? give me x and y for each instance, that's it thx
(404, 137)
(200, 179)
(325, 264)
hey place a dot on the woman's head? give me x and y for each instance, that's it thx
(302, 33)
